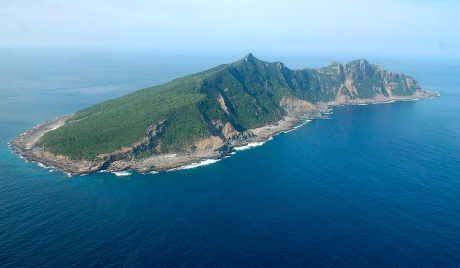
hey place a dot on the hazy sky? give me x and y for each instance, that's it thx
(399, 26)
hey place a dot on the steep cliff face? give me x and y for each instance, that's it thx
(209, 110)
(361, 80)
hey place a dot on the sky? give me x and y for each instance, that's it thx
(400, 27)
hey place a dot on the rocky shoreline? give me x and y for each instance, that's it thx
(25, 144)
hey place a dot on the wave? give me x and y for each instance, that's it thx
(199, 164)
(362, 104)
(44, 166)
(41, 165)
(411, 99)
(303, 122)
(122, 173)
(250, 145)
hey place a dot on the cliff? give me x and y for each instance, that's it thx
(205, 115)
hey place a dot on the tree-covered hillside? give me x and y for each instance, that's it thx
(246, 94)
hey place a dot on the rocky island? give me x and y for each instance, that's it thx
(205, 115)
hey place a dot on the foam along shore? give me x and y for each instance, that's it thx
(250, 145)
(122, 173)
(198, 164)
(302, 122)
(25, 145)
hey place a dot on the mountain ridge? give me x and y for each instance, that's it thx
(205, 115)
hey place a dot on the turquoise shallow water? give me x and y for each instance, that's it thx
(375, 185)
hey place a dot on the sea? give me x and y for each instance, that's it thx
(373, 185)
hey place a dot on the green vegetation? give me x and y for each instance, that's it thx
(246, 94)
(117, 123)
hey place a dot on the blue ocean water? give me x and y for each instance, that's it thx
(375, 185)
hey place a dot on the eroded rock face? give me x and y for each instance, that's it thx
(299, 108)
(226, 149)
(212, 143)
(229, 131)
(361, 80)
(241, 137)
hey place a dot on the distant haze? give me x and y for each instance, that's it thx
(390, 27)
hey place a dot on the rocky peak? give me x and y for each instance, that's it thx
(249, 57)
(360, 69)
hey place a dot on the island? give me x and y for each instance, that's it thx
(205, 116)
